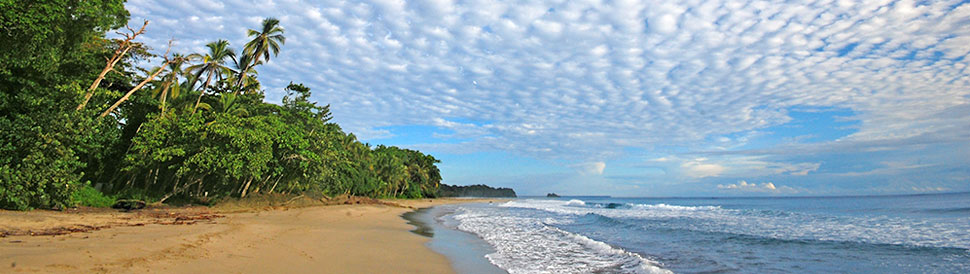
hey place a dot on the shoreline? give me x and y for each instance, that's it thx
(466, 251)
(341, 238)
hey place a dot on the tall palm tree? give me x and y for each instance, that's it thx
(213, 65)
(264, 42)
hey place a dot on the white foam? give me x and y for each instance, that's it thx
(635, 210)
(789, 226)
(528, 245)
(674, 207)
(575, 202)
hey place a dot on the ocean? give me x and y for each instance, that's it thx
(870, 234)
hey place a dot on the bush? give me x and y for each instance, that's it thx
(88, 196)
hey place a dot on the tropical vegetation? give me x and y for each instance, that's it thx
(82, 123)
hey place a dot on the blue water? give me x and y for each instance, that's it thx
(876, 234)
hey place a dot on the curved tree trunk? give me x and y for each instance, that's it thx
(132, 91)
(97, 82)
(242, 73)
(118, 55)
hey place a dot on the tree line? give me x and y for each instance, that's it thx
(77, 112)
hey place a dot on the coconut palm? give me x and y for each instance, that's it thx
(248, 82)
(213, 65)
(230, 104)
(169, 86)
(264, 42)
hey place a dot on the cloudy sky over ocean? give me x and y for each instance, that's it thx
(629, 98)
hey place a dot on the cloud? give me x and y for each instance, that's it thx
(929, 189)
(585, 81)
(700, 70)
(729, 165)
(768, 187)
(590, 168)
(698, 168)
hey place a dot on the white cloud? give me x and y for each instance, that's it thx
(767, 187)
(731, 166)
(590, 168)
(586, 80)
(699, 168)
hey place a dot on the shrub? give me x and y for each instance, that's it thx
(88, 196)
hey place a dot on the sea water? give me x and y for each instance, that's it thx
(872, 234)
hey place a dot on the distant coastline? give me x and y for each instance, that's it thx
(475, 191)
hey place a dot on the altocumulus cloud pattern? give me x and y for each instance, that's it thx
(589, 81)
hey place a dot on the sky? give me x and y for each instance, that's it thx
(629, 98)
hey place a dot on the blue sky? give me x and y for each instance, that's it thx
(630, 98)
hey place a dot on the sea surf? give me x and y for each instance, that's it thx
(897, 234)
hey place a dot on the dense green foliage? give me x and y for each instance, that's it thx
(198, 128)
(474, 191)
(50, 49)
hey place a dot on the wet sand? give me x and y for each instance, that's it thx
(319, 239)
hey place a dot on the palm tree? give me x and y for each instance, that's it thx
(213, 65)
(229, 104)
(248, 74)
(171, 81)
(265, 41)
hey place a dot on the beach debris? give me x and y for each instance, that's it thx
(141, 218)
(129, 205)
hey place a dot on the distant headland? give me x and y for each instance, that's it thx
(474, 191)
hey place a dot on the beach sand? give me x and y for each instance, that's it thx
(364, 238)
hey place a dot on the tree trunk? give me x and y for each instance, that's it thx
(165, 93)
(118, 55)
(262, 184)
(131, 181)
(132, 91)
(201, 92)
(176, 184)
(148, 178)
(239, 81)
(155, 180)
(97, 82)
(242, 73)
(246, 187)
(275, 183)
(175, 192)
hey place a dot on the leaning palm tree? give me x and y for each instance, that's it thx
(265, 41)
(248, 82)
(170, 82)
(213, 65)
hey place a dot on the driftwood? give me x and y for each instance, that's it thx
(129, 205)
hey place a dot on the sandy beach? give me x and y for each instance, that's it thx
(359, 238)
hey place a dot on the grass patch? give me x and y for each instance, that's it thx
(88, 196)
(265, 201)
